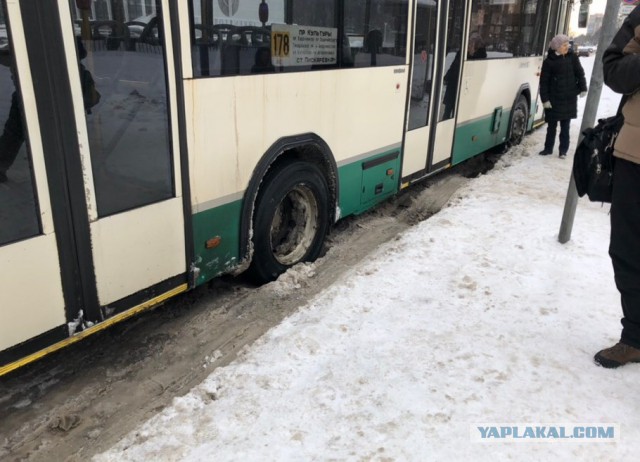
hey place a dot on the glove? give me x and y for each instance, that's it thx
(583, 94)
(546, 105)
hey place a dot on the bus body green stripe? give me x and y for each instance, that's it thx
(223, 222)
(363, 185)
(475, 137)
(350, 178)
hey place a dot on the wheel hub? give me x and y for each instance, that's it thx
(294, 225)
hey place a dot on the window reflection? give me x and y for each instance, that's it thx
(18, 208)
(121, 61)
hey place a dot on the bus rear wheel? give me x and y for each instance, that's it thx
(519, 120)
(291, 220)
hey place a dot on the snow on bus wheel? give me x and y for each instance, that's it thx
(291, 219)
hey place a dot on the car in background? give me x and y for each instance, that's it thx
(585, 51)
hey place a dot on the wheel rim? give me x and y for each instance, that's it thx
(294, 225)
(518, 125)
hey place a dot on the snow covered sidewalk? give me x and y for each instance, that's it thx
(477, 315)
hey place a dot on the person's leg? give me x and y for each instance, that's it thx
(551, 137)
(624, 249)
(565, 126)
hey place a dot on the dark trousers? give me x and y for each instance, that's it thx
(624, 247)
(13, 136)
(551, 135)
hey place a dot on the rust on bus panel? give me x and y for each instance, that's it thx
(213, 242)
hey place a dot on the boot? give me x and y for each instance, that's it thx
(563, 155)
(616, 356)
(544, 152)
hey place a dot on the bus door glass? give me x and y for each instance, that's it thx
(423, 65)
(18, 206)
(122, 69)
(450, 61)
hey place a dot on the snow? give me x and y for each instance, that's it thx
(476, 315)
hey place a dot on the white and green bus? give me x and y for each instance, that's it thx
(149, 146)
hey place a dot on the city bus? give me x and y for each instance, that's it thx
(149, 146)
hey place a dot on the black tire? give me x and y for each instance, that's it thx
(291, 220)
(519, 120)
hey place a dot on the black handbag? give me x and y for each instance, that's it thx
(593, 160)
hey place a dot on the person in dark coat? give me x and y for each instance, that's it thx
(476, 48)
(561, 81)
(451, 88)
(621, 66)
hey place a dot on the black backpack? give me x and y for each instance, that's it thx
(593, 161)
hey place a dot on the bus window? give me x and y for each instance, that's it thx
(19, 217)
(380, 26)
(313, 12)
(516, 29)
(233, 38)
(123, 77)
(236, 38)
(552, 26)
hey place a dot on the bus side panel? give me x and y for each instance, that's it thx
(484, 89)
(232, 122)
(155, 244)
(469, 143)
(31, 297)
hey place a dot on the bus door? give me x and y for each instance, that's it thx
(123, 90)
(91, 211)
(435, 83)
(30, 277)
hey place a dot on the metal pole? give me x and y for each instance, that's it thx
(609, 29)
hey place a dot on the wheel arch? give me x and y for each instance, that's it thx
(308, 147)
